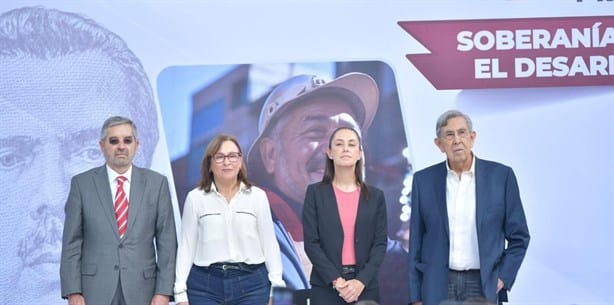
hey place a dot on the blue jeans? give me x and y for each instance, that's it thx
(215, 286)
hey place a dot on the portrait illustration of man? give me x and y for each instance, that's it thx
(61, 74)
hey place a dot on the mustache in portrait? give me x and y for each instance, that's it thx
(43, 243)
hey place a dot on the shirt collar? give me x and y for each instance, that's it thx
(471, 170)
(113, 174)
(242, 187)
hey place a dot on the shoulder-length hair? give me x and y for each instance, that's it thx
(206, 174)
(329, 169)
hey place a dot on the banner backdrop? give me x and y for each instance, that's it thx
(537, 78)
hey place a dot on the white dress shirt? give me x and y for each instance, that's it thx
(214, 230)
(461, 204)
(113, 182)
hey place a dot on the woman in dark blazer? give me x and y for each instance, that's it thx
(345, 226)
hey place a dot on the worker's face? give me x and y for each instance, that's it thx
(297, 153)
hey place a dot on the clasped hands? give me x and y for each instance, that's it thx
(349, 290)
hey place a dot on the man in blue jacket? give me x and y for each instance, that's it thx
(464, 210)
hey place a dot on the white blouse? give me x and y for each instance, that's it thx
(214, 230)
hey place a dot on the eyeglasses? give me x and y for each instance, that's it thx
(126, 140)
(233, 157)
(450, 134)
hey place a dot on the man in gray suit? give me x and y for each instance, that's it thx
(54, 61)
(101, 262)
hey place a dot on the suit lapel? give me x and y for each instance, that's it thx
(360, 214)
(328, 192)
(103, 189)
(480, 202)
(440, 193)
(135, 201)
(333, 218)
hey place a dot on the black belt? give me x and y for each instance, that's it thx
(348, 269)
(236, 266)
(466, 271)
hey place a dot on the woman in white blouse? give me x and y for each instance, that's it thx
(228, 251)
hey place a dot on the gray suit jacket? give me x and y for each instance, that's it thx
(94, 258)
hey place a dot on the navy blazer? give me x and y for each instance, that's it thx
(324, 235)
(499, 217)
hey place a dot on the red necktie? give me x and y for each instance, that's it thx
(121, 206)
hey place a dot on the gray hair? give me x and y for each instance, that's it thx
(443, 119)
(115, 121)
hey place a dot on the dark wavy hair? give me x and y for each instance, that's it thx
(206, 175)
(329, 169)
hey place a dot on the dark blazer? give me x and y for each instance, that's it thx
(324, 235)
(94, 258)
(500, 217)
